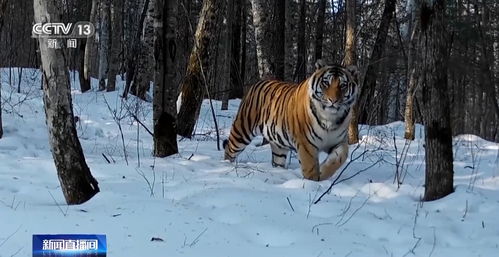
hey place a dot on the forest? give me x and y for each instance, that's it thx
(129, 121)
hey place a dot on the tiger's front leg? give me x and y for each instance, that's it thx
(279, 155)
(334, 160)
(309, 161)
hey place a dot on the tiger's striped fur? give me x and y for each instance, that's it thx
(308, 118)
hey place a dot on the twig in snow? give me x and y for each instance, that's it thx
(465, 211)
(58, 206)
(418, 239)
(354, 212)
(11, 235)
(290, 205)
(434, 243)
(149, 184)
(105, 157)
(316, 227)
(117, 120)
(196, 240)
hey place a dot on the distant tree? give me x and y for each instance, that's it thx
(319, 29)
(134, 51)
(351, 59)
(301, 62)
(84, 83)
(279, 41)
(116, 34)
(77, 183)
(365, 99)
(433, 47)
(194, 86)
(3, 5)
(264, 34)
(89, 49)
(413, 74)
(165, 71)
(144, 62)
(104, 43)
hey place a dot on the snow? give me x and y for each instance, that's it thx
(201, 205)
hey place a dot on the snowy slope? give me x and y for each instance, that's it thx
(201, 205)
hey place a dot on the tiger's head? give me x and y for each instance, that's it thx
(333, 87)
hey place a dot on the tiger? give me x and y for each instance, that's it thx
(308, 118)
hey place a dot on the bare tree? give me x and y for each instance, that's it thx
(116, 38)
(89, 48)
(165, 71)
(366, 98)
(142, 79)
(351, 59)
(301, 64)
(436, 109)
(280, 38)
(104, 43)
(194, 85)
(319, 29)
(77, 183)
(3, 5)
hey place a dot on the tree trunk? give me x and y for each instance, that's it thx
(351, 59)
(280, 38)
(236, 81)
(264, 34)
(227, 44)
(104, 44)
(413, 74)
(77, 183)
(369, 86)
(202, 57)
(89, 48)
(142, 79)
(115, 37)
(3, 6)
(244, 29)
(135, 50)
(165, 90)
(84, 83)
(301, 64)
(436, 109)
(319, 29)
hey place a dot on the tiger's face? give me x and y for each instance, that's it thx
(334, 87)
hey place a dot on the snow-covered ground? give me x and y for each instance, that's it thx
(200, 205)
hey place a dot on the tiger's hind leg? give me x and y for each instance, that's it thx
(337, 156)
(279, 155)
(237, 142)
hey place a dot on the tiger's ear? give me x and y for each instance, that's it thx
(319, 64)
(354, 71)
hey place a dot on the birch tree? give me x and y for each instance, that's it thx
(77, 183)
(262, 20)
(202, 56)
